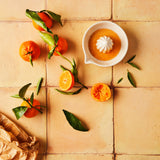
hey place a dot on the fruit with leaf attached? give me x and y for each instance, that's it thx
(62, 46)
(100, 92)
(29, 50)
(46, 19)
(66, 80)
(31, 112)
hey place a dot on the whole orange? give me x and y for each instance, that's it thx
(29, 48)
(31, 112)
(46, 19)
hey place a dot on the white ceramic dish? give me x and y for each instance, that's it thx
(108, 25)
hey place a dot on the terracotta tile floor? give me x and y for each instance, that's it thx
(127, 126)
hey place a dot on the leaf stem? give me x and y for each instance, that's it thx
(32, 106)
(82, 84)
(64, 58)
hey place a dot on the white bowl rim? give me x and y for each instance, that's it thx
(110, 63)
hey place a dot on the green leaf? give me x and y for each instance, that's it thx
(131, 59)
(23, 90)
(50, 54)
(32, 98)
(16, 96)
(74, 121)
(35, 17)
(39, 85)
(69, 93)
(56, 38)
(30, 59)
(119, 80)
(130, 78)
(134, 65)
(19, 111)
(64, 69)
(55, 16)
(47, 38)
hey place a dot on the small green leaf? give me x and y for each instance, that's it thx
(69, 93)
(35, 17)
(50, 54)
(119, 80)
(19, 111)
(134, 65)
(47, 38)
(54, 16)
(131, 59)
(39, 85)
(30, 59)
(74, 121)
(64, 69)
(16, 96)
(56, 38)
(130, 78)
(23, 90)
(32, 98)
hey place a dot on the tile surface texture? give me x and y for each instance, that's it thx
(62, 138)
(73, 33)
(84, 9)
(15, 10)
(79, 157)
(144, 43)
(140, 10)
(136, 114)
(137, 157)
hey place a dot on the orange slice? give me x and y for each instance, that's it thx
(101, 92)
(66, 80)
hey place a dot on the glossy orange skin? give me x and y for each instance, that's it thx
(47, 20)
(29, 46)
(31, 112)
(62, 46)
(66, 80)
(100, 92)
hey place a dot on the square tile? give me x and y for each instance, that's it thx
(136, 10)
(79, 157)
(73, 33)
(84, 9)
(15, 10)
(13, 69)
(137, 157)
(137, 123)
(144, 40)
(30, 125)
(62, 138)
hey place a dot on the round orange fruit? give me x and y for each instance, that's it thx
(46, 19)
(66, 80)
(100, 92)
(31, 112)
(29, 48)
(62, 46)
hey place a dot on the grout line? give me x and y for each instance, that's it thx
(111, 9)
(119, 154)
(90, 19)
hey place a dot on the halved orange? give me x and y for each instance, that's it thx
(66, 80)
(100, 92)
